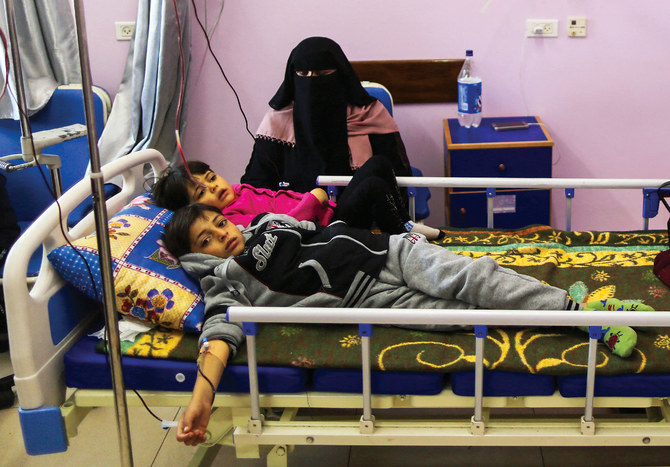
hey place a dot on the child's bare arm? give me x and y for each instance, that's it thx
(192, 428)
(320, 194)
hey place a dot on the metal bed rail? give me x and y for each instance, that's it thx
(649, 187)
(481, 319)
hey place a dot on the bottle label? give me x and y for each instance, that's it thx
(470, 97)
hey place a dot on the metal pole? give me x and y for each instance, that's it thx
(591, 374)
(27, 146)
(252, 363)
(367, 423)
(18, 72)
(100, 211)
(479, 378)
(490, 195)
(367, 383)
(568, 213)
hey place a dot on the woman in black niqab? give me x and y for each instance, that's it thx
(323, 122)
(317, 121)
(320, 104)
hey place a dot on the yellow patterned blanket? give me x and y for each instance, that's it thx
(590, 265)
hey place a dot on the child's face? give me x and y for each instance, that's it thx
(217, 192)
(216, 236)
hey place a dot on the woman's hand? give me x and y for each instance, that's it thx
(320, 194)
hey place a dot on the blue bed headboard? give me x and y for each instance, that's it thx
(28, 195)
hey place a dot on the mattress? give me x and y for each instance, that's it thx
(519, 361)
(86, 368)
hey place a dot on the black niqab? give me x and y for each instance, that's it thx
(320, 106)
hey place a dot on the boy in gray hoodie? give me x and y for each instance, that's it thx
(279, 261)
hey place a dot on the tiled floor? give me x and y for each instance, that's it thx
(97, 445)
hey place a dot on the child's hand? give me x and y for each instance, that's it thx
(320, 194)
(192, 427)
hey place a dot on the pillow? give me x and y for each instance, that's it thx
(149, 283)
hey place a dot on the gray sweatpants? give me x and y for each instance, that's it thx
(418, 274)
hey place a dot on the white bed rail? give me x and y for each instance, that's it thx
(261, 314)
(569, 184)
(38, 370)
(484, 182)
(478, 318)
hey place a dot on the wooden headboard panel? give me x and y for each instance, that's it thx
(413, 81)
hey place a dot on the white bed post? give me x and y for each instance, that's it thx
(411, 196)
(104, 249)
(569, 194)
(477, 423)
(588, 424)
(367, 420)
(255, 424)
(490, 196)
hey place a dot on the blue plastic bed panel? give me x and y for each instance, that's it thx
(86, 206)
(381, 94)
(383, 382)
(503, 384)
(85, 368)
(422, 196)
(67, 308)
(641, 385)
(28, 195)
(43, 430)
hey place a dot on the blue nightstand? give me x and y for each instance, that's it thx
(484, 152)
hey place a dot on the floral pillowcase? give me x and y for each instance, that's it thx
(149, 283)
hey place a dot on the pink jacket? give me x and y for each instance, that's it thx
(251, 201)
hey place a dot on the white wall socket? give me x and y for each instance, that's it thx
(576, 26)
(124, 30)
(541, 28)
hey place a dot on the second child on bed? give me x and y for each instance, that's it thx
(372, 196)
(279, 261)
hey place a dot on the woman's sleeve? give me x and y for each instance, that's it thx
(391, 146)
(266, 166)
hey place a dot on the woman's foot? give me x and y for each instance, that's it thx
(431, 233)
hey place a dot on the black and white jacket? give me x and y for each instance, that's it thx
(287, 263)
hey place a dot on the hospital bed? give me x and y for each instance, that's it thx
(351, 382)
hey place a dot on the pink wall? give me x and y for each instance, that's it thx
(107, 55)
(601, 96)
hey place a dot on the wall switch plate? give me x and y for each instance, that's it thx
(124, 30)
(576, 26)
(541, 28)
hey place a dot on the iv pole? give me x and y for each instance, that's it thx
(100, 211)
(99, 207)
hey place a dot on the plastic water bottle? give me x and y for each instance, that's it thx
(469, 94)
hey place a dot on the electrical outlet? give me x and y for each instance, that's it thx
(541, 28)
(124, 30)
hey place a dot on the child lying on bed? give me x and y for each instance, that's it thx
(372, 196)
(280, 261)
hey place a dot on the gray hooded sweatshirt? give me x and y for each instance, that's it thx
(293, 263)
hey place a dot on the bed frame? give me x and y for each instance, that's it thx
(43, 326)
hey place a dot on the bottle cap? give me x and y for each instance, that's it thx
(468, 53)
